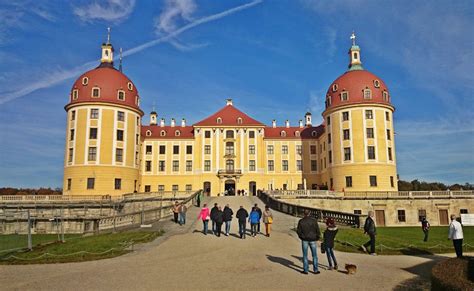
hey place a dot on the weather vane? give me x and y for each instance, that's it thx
(353, 37)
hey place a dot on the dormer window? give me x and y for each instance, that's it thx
(376, 83)
(85, 81)
(314, 133)
(283, 133)
(121, 95)
(130, 86)
(297, 133)
(344, 96)
(239, 120)
(75, 94)
(334, 87)
(137, 100)
(367, 94)
(177, 133)
(328, 101)
(219, 120)
(162, 133)
(95, 92)
(148, 133)
(385, 96)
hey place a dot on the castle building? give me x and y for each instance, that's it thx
(109, 152)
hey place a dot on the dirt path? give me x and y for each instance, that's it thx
(185, 259)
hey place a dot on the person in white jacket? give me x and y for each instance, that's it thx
(456, 235)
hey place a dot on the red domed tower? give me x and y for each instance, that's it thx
(103, 132)
(359, 131)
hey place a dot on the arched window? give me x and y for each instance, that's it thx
(162, 133)
(367, 93)
(283, 133)
(297, 133)
(219, 120)
(334, 87)
(121, 95)
(75, 94)
(85, 81)
(148, 133)
(385, 96)
(95, 92)
(314, 133)
(130, 86)
(229, 165)
(177, 133)
(229, 134)
(239, 120)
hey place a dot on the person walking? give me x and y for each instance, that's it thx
(198, 199)
(328, 241)
(425, 226)
(456, 235)
(204, 216)
(242, 215)
(175, 210)
(213, 217)
(227, 218)
(254, 219)
(308, 232)
(370, 230)
(219, 219)
(268, 220)
(259, 211)
(182, 214)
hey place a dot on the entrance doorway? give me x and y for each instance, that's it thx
(380, 217)
(207, 188)
(443, 217)
(253, 188)
(229, 187)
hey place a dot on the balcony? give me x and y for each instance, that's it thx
(231, 173)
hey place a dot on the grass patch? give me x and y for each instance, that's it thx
(14, 241)
(403, 240)
(80, 248)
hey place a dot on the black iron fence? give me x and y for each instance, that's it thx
(321, 215)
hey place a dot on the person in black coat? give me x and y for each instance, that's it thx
(242, 215)
(328, 238)
(308, 232)
(219, 218)
(370, 230)
(227, 218)
(213, 217)
(260, 216)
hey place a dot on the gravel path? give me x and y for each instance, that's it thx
(185, 259)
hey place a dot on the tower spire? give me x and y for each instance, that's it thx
(120, 59)
(108, 35)
(354, 55)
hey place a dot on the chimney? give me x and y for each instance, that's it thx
(153, 118)
(301, 123)
(287, 123)
(183, 122)
(228, 102)
(173, 122)
(274, 123)
(162, 122)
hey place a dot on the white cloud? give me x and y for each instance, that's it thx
(173, 12)
(109, 10)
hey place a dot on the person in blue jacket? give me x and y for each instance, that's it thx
(254, 219)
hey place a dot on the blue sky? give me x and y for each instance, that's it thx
(276, 59)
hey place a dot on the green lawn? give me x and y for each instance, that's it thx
(403, 240)
(14, 241)
(76, 249)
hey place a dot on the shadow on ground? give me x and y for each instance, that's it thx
(422, 281)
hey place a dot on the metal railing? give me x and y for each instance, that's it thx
(372, 194)
(320, 214)
(229, 172)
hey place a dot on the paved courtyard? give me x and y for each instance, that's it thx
(185, 259)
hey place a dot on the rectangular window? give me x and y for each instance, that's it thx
(401, 215)
(90, 183)
(73, 115)
(69, 183)
(347, 154)
(421, 214)
(369, 114)
(252, 134)
(71, 153)
(95, 92)
(390, 158)
(328, 120)
(348, 181)
(176, 150)
(161, 188)
(149, 149)
(120, 116)
(373, 181)
(147, 188)
(92, 156)
(367, 94)
(118, 184)
(345, 116)
(284, 149)
(175, 166)
(312, 149)
(162, 149)
(92, 133)
(252, 165)
(271, 166)
(119, 135)
(392, 182)
(370, 132)
(329, 138)
(229, 148)
(147, 166)
(189, 149)
(358, 211)
(331, 184)
(161, 166)
(330, 156)
(371, 152)
(94, 114)
(175, 188)
(251, 150)
(270, 150)
(138, 121)
(207, 165)
(285, 165)
(299, 149)
(346, 134)
(119, 155)
(389, 136)
(136, 158)
(344, 96)
(299, 165)
(207, 134)
(189, 188)
(207, 149)
(137, 139)
(189, 166)
(387, 116)
(71, 134)
(463, 211)
(229, 134)
(314, 165)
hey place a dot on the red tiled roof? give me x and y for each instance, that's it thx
(291, 132)
(229, 115)
(186, 132)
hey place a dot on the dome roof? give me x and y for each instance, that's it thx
(113, 87)
(357, 86)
